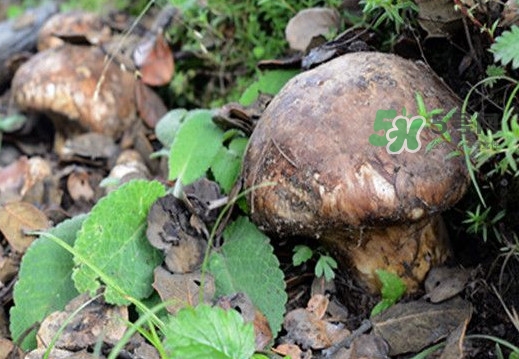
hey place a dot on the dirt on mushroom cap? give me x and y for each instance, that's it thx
(313, 141)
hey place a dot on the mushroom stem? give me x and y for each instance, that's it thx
(408, 250)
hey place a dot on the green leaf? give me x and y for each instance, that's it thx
(168, 126)
(12, 123)
(269, 82)
(209, 332)
(393, 288)
(226, 166)
(44, 283)
(246, 263)
(113, 238)
(301, 254)
(506, 47)
(325, 267)
(195, 146)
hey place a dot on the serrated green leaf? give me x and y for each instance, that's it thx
(168, 126)
(301, 254)
(195, 146)
(226, 165)
(113, 238)
(325, 267)
(269, 82)
(209, 332)
(506, 47)
(246, 263)
(45, 284)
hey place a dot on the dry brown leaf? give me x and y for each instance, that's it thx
(438, 17)
(369, 346)
(510, 14)
(18, 217)
(8, 350)
(410, 327)
(318, 304)
(180, 290)
(12, 178)
(149, 105)
(39, 169)
(293, 351)
(310, 23)
(443, 283)
(187, 255)
(62, 354)
(309, 331)
(154, 59)
(78, 186)
(454, 347)
(89, 146)
(8, 269)
(96, 322)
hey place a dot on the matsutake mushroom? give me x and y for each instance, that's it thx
(71, 84)
(337, 176)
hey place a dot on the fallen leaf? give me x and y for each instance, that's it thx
(438, 17)
(149, 105)
(12, 178)
(318, 304)
(310, 23)
(410, 327)
(97, 321)
(186, 255)
(18, 217)
(62, 354)
(292, 351)
(78, 186)
(510, 13)
(443, 283)
(8, 350)
(90, 146)
(181, 290)
(154, 59)
(309, 331)
(39, 170)
(454, 344)
(369, 346)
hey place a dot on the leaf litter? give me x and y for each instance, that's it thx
(179, 228)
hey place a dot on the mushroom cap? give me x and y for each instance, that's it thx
(64, 81)
(313, 142)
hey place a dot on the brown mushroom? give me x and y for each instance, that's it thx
(69, 81)
(375, 209)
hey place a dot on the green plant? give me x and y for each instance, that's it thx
(108, 250)
(389, 12)
(479, 221)
(10, 124)
(227, 39)
(325, 265)
(393, 288)
(506, 47)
